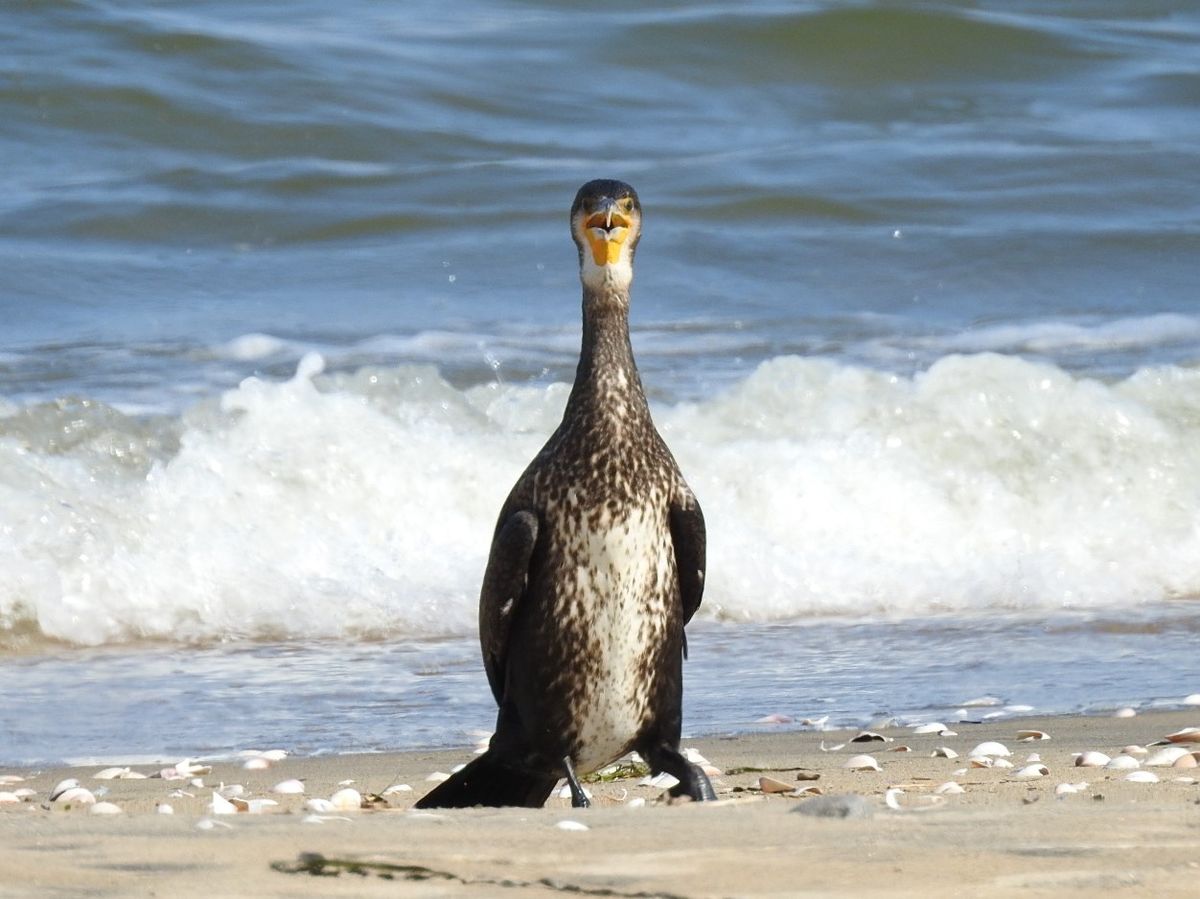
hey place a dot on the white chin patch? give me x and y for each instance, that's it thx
(617, 274)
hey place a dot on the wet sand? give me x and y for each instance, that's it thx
(1004, 835)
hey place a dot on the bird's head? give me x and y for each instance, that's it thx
(606, 222)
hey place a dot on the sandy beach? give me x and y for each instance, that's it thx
(1007, 833)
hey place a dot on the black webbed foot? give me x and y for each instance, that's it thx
(693, 782)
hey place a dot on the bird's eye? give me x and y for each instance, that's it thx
(627, 204)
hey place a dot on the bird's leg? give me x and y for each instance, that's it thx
(578, 797)
(693, 782)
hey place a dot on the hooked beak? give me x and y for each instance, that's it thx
(607, 229)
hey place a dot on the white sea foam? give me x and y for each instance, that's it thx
(363, 503)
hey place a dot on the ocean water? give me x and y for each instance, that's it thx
(288, 301)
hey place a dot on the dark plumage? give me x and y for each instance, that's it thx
(596, 565)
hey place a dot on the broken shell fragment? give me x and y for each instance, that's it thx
(862, 763)
(1144, 777)
(1091, 759)
(220, 805)
(771, 785)
(981, 761)
(1187, 735)
(1031, 736)
(944, 752)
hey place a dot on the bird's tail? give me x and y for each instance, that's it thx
(491, 781)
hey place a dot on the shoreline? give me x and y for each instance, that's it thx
(1004, 832)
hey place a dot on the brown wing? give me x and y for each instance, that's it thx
(503, 589)
(688, 537)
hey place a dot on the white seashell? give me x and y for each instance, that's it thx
(346, 783)
(164, 808)
(62, 787)
(815, 722)
(9, 797)
(7, 780)
(1033, 757)
(1091, 759)
(76, 796)
(1187, 735)
(949, 788)
(229, 791)
(320, 806)
(711, 770)
(274, 755)
(1123, 763)
(662, 781)
(106, 808)
(24, 793)
(1126, 712)
(944, 752)
(292, 786)
(321, 819)
(258, 763)
(1031, 771)
(437, 777)
(869, 736)
(934, 727)
(210, 824)
(1065, 789)
(111, 773)
(258, 806)
(835, 748)
(1166, 757)
(694, 756)
(197, 782)
(187, 768)
(220, 805)
(1183, 780)
(1144, 777)
(1001, 763)
(981, 702)
(960, 772)
(571, 825)
(346, 799)
(636, 802)
(1031, 736)
(396, 788)
(1188, 761)
(992, 748)
(981, 761)
(1135, 750)
(862, 763)
(1191, 699)
(891, 798)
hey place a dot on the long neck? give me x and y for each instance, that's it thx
(607, 377)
